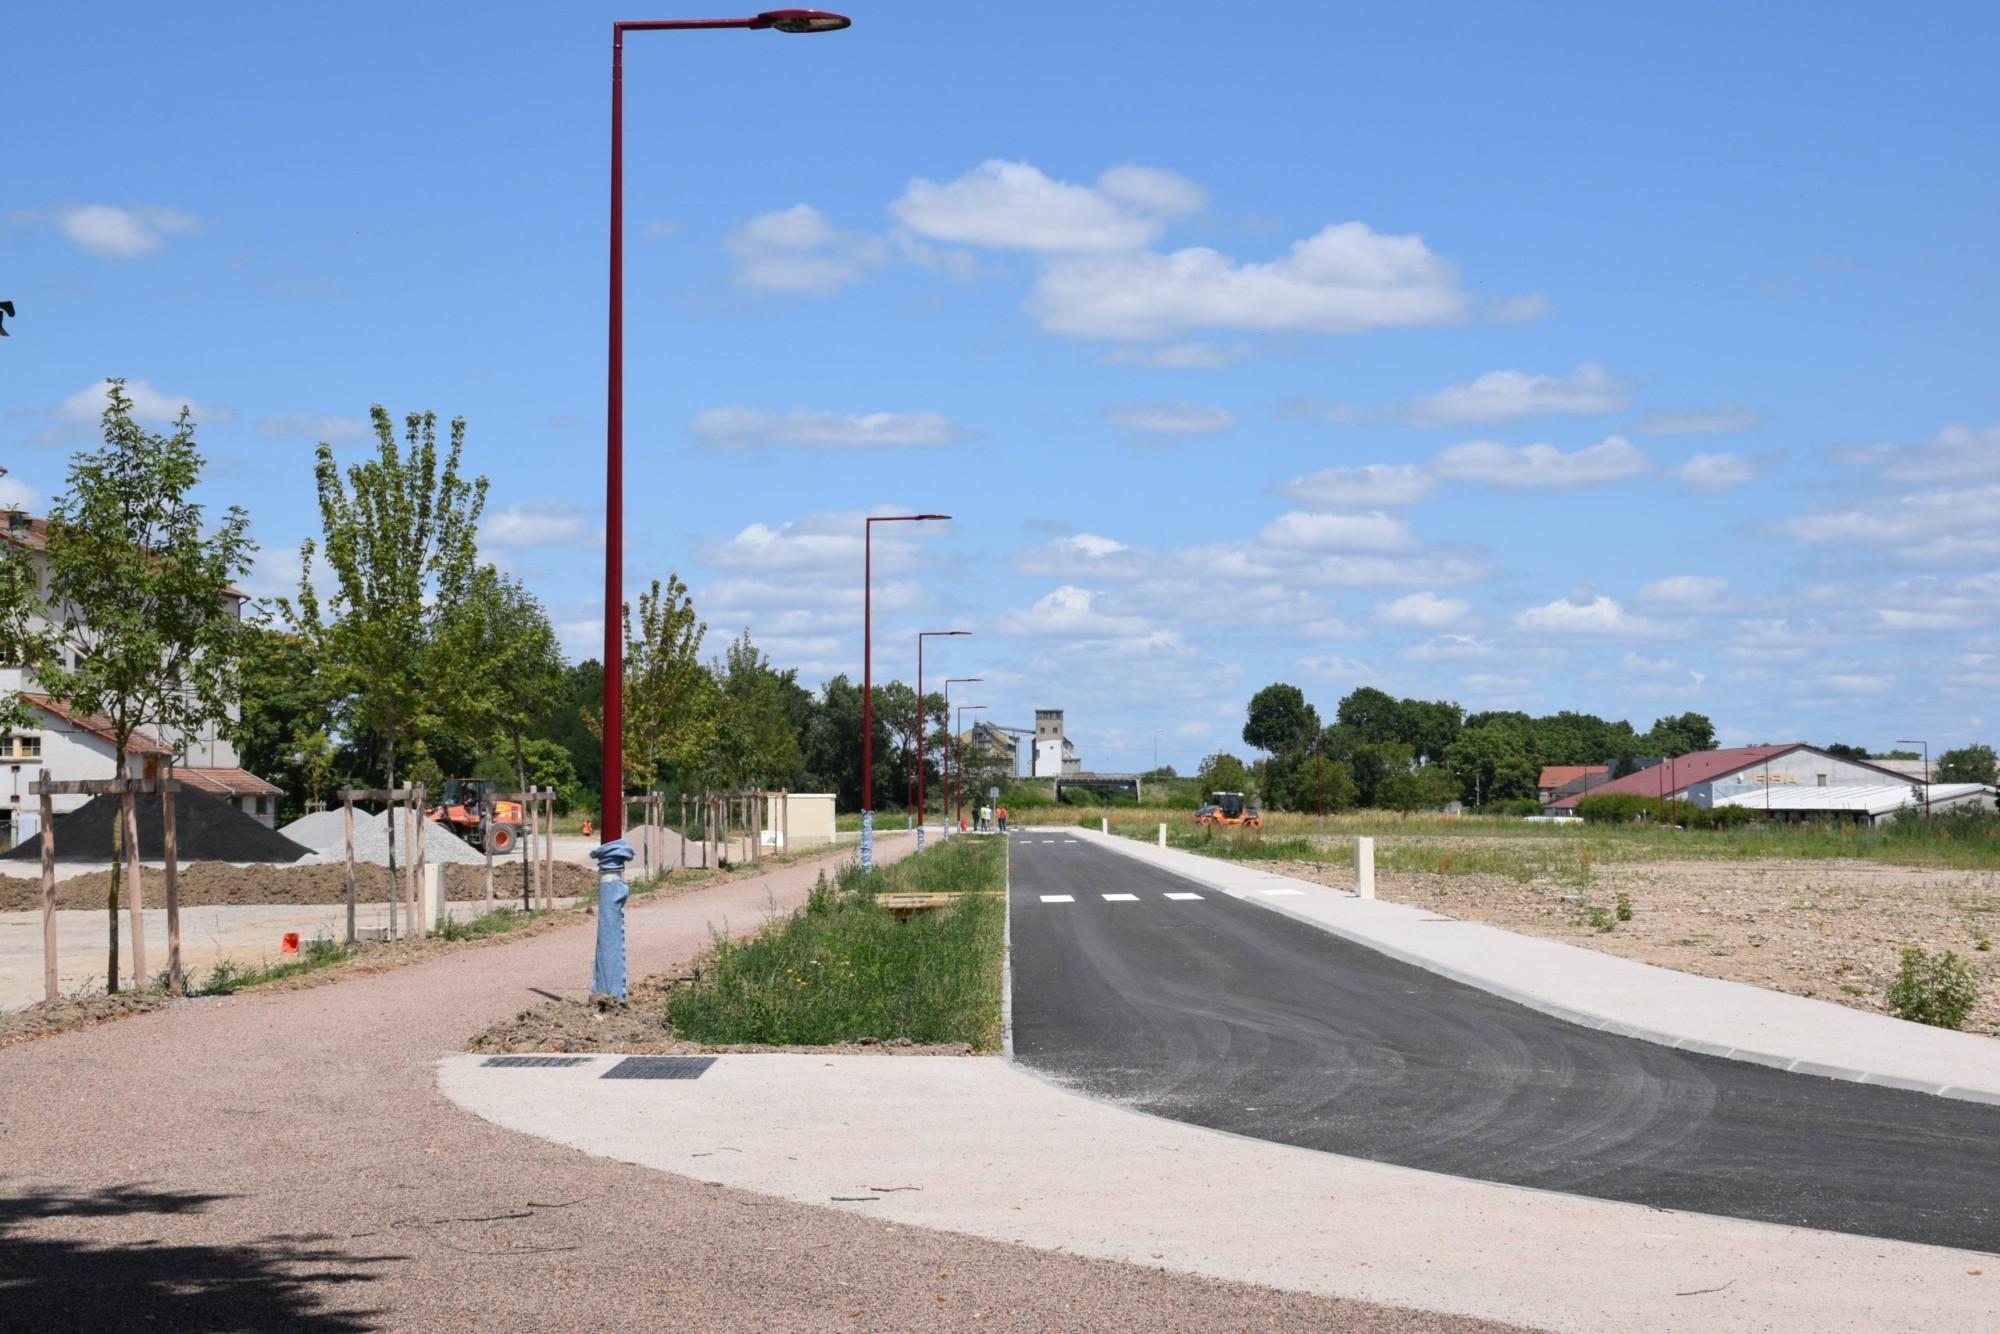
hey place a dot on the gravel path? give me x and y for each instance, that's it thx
(285, 1161)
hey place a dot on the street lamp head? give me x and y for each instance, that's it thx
(800, 20)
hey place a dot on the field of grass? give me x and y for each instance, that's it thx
(1498, 845)
(843, 968)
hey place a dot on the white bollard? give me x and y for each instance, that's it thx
(1163, 835)
(1104, 825)
(433, 892)
(1364, 867)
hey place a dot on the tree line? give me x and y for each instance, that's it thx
(1381, 752)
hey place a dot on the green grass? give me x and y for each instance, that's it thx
(228, 976)
(1498, 845)
(842, 968)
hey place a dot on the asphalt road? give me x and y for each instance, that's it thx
(1223, 1013)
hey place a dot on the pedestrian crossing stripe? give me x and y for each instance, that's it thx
(1058, 898)
(1121, 898)
(1183, 896)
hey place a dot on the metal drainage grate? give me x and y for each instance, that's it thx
(537, 1063)
(660, 1067)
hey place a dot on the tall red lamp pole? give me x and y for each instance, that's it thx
(921, 747)
(612, 816)
(951, 779)
(958, 788)
(868, 677)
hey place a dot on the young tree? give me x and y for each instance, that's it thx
(756, 743)
(400, 538)
(511, 663)
(288, 716)
(1223, 772)
(669, 695)
(148, 628)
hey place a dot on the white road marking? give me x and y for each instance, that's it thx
(1121, 898)
(1048, 840)
(1281, 891)
(1069, 840)
(1058, 898)
(1183, 896)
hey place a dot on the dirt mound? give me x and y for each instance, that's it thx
(325, 832)
(206, 883)
(206, 828)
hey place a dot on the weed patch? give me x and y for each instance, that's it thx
(1936, 989)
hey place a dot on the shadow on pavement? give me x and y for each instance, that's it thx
(66, 1283)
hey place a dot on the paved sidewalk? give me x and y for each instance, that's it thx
(986, 1147)
(1727, 1019)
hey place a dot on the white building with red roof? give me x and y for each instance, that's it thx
(1695, 776)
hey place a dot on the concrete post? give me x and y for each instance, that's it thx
(1104, 824)
(430, 880)
(1163, 833)
(1364, 867)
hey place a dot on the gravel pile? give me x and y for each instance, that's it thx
(325, 832)
(206, 829)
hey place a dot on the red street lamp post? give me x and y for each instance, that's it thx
(958, 788)
(951, 779)
(867, 675)
(922, 635)
(612, 816)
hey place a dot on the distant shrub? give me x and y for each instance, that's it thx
(1935, 989)
(1512, 806)
(1620, 808)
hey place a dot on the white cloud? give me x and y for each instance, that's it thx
(1508, 395)
(16, 494)
(542, 524)
(1012, 206)
(1954, 454)
(1334, 668)
(1710, 474)
(112, 233)
(1069, 612)
(1950, 525)
(1523, 309)
(1540, 467)
(331, 430)
(1307, 531)
(1423, 610)
(1724, 419)
(1857, 683)
(798, 250)
(824, 546)
(1599, 618)
(1684, 592)
(1346, 278)
(738, 429)
(1369, 486)
(77, 417)
(1180, 356)
(1643, 666)
(1182, 418)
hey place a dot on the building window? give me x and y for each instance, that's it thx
(20, 748)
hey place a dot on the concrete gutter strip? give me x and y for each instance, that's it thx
(980, 1146)
(1731, 1020)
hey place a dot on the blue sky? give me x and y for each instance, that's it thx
(1528, 356)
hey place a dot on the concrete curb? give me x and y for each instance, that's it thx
(1568, 1014)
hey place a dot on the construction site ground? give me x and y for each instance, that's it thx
(1830, 930)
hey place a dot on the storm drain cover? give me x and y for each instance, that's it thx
(539, 1062)
(660, 1067)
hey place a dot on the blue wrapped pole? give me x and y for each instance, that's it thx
(867, 840)
(607, 974)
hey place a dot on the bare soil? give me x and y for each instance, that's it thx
(1831, 930)
(207, 883)
(638, 1026)
(64, 1013)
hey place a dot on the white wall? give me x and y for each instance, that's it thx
(1804, 768)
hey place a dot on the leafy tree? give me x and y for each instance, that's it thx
(1279, 720)
(670, 713)
(1223, 772)
(1846, 752)
(1423, 788)
(147, 627)
(511, 663)
(563, 720)
(1493, 763)
(400, 538)
(1374, 717)
(757, 745)
(1305, 782)
(1680, 736)
(1430, 727)
(1969, 764)
(1374, 764)
(287, 716)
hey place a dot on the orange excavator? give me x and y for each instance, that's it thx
(1228, 810)
(472, 809)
